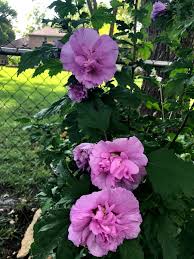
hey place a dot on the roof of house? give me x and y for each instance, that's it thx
(48, 31)
(21, 43)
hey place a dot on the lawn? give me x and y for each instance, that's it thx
(23, 96)
(22, 175)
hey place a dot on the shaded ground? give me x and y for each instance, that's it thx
(15, 215)
(21, 173)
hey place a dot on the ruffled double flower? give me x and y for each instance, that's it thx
(102, 220)
(91, 58)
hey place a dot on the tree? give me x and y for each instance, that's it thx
(35, 20)
(7, 14)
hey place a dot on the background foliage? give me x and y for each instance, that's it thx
(6, 15)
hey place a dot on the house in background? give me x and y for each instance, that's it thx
(21, 43)
(45, 35)
(35, 39)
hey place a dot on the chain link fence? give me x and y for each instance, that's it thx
(21, 97)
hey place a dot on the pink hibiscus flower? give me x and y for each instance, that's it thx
(81, 155)
(77, 92)
(90, 57)
(118, 163)
(102, 220)
(159, 8)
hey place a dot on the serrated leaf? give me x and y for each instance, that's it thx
(33, 58)
(73, 187)
(101, 16)
(115, 3)
(145, 50)
(170, 175)
(54, 67)
(167, 238)
(76, 187)
(131, 249)
(53, 109)
(124, 78)
(94, 115)
(175, 87)
(64, 8)
(125, 97)
(55, 229)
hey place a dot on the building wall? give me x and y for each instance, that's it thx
(37, 41)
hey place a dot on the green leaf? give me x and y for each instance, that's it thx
(66, 250)
(29, 60)
(76, 187)
(44, 57)
(101, 16)
(170, 175)
(126, 98)
(64, 8)
(122, 26)
(48, 233)
(53, 65)
(124, 78)
(150, 231)
(175, 87)
(145, 50)
(167, 238)
(73, 187)
(72, 127)
(23, 120)
(153, 105)
(115, 3)
(187, 239)
(131, 249)
(94, 115)
(56, 107)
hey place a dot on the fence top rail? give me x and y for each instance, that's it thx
(13, 51)
(20, 51)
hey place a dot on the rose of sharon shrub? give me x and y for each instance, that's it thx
(77, 92)
(90, 57)
(158, 9)
(102, 220)
(81, 155)
(118, 163)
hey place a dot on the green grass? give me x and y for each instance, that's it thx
(21, 97)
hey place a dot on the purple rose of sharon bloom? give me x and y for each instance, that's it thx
(77, 92)
(81, 155)
(158, 9)
(90, 57)
(120, 163)
(102, 220)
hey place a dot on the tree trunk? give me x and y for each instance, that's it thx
(162, 52)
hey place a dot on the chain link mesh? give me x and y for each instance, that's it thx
(21, 97)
